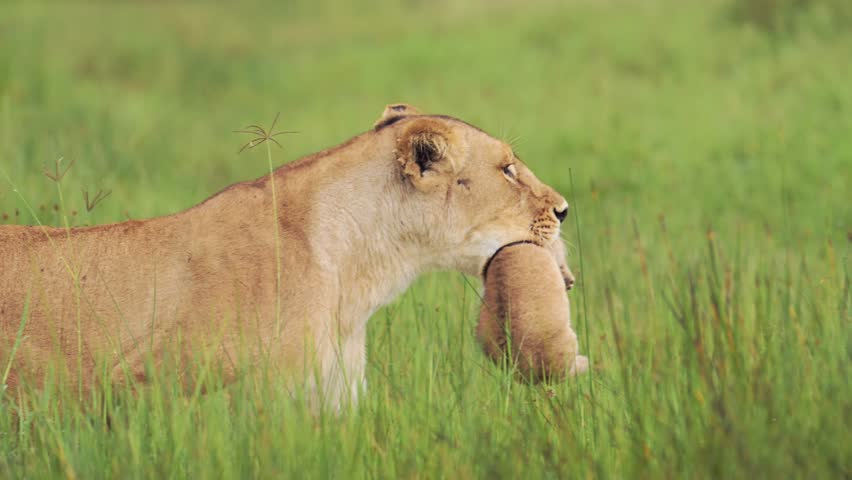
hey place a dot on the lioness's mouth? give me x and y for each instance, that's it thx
(543, 231)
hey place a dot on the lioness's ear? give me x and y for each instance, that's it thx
(424, 151)
(393, 113)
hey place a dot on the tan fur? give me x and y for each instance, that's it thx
(525, 311)
(357, 224)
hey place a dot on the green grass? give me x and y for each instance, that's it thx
(711, 162)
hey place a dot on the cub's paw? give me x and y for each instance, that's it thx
(567, 276)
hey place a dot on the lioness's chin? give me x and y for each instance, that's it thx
(491, 249)
(474, 266)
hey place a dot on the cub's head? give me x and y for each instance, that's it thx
(467, 192)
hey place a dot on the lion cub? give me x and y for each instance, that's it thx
(525, 298)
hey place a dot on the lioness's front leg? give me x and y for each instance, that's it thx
(343, 368)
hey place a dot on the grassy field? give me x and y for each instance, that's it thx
(710, 149)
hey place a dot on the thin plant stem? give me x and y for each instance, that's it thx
(585, 303)
(268, 136)
(277, 241)
(18, 338)
(58, 182)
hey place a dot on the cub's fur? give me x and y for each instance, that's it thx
(525, 313)
(357, 224)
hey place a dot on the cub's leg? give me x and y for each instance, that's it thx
(581, 362)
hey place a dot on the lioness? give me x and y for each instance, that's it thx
(356, 224)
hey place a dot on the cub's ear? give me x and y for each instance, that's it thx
(424, 150)
(393, 113)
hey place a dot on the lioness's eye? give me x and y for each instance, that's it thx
(510, 171)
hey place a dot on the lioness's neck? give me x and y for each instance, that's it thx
(357, 221)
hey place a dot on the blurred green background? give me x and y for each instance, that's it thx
(680, 108)
(710, 146)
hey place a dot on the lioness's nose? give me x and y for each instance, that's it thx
(561, 214)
